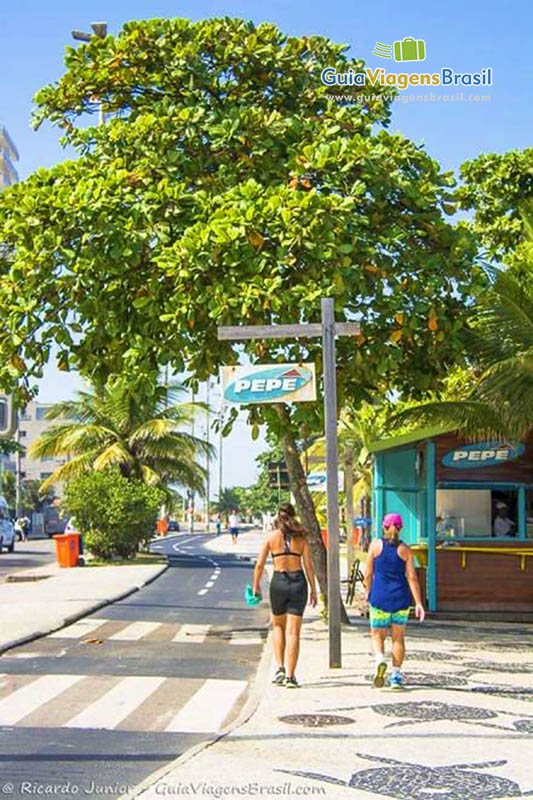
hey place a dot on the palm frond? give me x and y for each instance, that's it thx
(69, 470)
(471, 417)
(113, 455)
(72, 438)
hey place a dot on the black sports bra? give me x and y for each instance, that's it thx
(287, 551)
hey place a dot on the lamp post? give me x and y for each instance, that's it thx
(100, 30)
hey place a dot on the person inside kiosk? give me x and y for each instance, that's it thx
(503, 526)
(476, 514)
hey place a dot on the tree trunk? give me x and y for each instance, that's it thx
(304, 504)
(348, 489)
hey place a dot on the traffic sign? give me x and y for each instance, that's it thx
(278, 475)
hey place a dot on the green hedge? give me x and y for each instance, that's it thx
(114, 514)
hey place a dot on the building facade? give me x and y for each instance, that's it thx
(8, 155)
(32, 424)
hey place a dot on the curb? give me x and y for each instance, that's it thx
(31, 637)
(254, 696)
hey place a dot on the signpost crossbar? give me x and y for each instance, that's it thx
(305, 331)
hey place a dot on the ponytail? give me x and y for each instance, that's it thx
(288, 524)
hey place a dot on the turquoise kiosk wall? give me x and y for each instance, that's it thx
(404, 482)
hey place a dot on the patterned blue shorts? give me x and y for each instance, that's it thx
(384, 619)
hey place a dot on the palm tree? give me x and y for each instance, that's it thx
(229, 500)
(355, 432)
(143, 436)
(500, 349)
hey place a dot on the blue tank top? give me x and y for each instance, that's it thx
(390, 589)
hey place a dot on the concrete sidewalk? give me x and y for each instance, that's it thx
(56, 597)
(462, 728)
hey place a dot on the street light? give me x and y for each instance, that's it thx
(100, 30)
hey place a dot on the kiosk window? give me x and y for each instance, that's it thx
(477, 513)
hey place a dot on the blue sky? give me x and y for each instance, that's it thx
(463, 36)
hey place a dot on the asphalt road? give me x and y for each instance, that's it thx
(102, 704)
(33, 553)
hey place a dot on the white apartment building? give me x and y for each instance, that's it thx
(32, 424)
(8, 154)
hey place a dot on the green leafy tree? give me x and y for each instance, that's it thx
(497, 188)
(229, 500)
(142, 434)
(34, 497)
(115, 514)
(9, 491)
(228, 186)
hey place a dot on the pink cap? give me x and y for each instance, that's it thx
(392, 519)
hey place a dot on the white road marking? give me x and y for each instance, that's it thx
(135, 631)
(191, 633)
(208, 707)
(26, 655)
(116, 704)
(209, 584)
(213, 577)
(203, 591)
(78, 629)
(23, 701)
(245, 640)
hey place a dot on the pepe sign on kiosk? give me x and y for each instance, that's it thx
(293, 383)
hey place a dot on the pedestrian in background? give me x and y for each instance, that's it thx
(218, 524)
(288, 589)
(234, 526)
(390, 581)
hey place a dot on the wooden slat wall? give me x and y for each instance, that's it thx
(488, 582)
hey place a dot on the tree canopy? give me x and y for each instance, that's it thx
(498, 188)
(227, 186)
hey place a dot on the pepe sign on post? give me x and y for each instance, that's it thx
(268, 383)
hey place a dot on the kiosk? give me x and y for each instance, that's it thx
(468, 514)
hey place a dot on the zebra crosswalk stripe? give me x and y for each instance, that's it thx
(242, 640)
(78, 629)
(192, 633)
(23, 701)
(208, 707)
(135, 631)
(116, 704)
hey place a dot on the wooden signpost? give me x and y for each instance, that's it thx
(327, 329)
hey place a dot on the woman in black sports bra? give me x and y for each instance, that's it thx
(288, 589)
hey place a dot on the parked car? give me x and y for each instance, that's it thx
(7, 529)
(173, 526)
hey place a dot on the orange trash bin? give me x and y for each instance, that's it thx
(67, 549)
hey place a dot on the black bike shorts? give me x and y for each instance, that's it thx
(288, 593)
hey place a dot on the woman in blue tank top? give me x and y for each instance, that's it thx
(391, 584)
